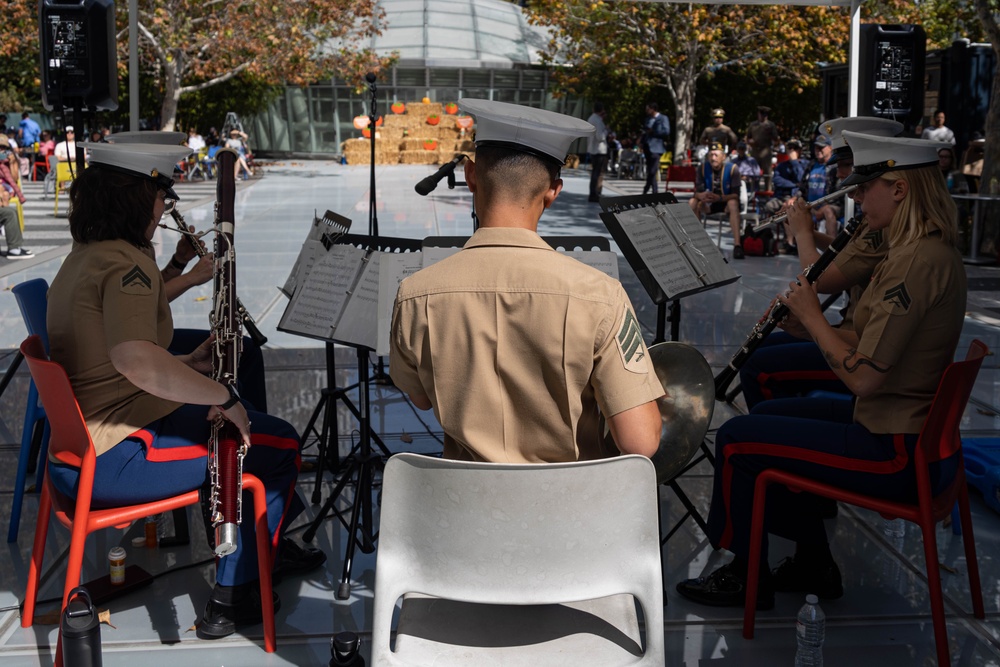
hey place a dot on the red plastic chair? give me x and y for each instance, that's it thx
(939, 439)
(71, 444)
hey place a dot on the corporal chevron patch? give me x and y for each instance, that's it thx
(897, 299)
(873, 240)
(135, 281)
(630, 344)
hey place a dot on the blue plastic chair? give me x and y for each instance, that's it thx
(32, 299)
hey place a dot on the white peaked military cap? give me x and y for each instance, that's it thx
(153, 161)
(546, 134)
(879, 127)
(148, 137)
(874, 156)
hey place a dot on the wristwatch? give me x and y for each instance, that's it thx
(234, 397)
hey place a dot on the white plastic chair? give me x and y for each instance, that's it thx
(518, 564)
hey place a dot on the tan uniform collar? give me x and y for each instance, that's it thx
(506, 236)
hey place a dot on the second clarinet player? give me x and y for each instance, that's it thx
(148, 411)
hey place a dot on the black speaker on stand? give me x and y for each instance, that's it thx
(891, 72)
(78, 58)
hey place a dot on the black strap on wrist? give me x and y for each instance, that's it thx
(180, 266)
(234, 397)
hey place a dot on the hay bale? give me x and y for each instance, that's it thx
(418, 157)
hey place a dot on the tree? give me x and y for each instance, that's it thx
(19, 79)
(673, 46)
(197, 44)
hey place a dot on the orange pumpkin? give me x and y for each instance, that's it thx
(431, 145)
(433, 120)
(451, 108)
(360, 122)
(398, 107)
(366, 133)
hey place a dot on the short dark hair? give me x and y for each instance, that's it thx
(598, 107)
(653, 105)
(517, 174)
(108, 205)
(25, 114)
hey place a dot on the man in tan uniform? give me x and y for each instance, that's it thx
(514, 345)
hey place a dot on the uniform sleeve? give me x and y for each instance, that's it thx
(902, 293)
(623, 376)
(130, 295)
(402, 360)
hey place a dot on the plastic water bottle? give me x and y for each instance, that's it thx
(810, 628)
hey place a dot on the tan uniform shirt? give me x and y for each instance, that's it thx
(910, 318)
(516, 346)
(106, 293)
(857, 261)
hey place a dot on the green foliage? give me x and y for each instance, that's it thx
(247, 95)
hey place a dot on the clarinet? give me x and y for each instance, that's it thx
(256, 335)
(225, 445)
(777, 313)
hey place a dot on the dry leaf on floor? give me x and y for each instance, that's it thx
(104, 616)
(406, 437)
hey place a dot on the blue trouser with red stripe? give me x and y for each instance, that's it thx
(816, 438)
(169, 457)
(784, 367)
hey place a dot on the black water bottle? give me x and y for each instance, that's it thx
(81, 631)
(345, 650)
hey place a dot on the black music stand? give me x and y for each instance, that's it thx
(708, 271)
(361, 463)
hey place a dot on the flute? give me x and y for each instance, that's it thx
(781, 217)
(256, 335)
(777, 313)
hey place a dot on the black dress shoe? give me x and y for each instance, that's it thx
(231, 607)
(725, 588)
(797, 576)
(296, 559)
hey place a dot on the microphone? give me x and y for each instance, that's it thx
(425, 186)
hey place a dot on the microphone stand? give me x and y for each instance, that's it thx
(380, 376)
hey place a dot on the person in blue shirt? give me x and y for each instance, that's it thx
(820, 179)
(28, 133)
(656, 132)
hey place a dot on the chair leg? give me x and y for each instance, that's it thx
(264, 558)
(37, 551)
(934, 590)
(975, 585)
(22, 462)
(753, 560)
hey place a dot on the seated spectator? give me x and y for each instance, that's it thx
(748, 167)
(820, 180)
(65, 150)
(9, 181)
(12, 229)
(46, 146)
(195, 141)
(717, 190)
(952, 176)
(787, 176)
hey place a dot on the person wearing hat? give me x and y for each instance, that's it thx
(66, 149)
(656, 133)
(177, 281)
(747, 166)
(820, 180)
(784, 365)
(762, 136)
(148, 411)
(717, 190)
(906, 328)
(719, 133)
(514, 345)
(237, 141)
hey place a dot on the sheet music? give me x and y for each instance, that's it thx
(604, 261)
(319, 239)
(321, 295)
(359, 322)
(659, 250)
(394, 267)
(698, 247)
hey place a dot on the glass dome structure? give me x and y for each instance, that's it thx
(448, 49)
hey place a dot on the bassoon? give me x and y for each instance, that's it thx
(225, 445)
(779, 311)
